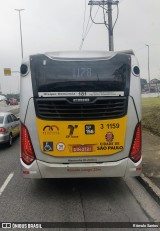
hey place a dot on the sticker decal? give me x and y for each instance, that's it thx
(51, 130)
(89, 129)
(61, 146)
(82, 148)
(72, 128)
(48, 146)
(109, 136)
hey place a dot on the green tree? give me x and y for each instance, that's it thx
(143, 82)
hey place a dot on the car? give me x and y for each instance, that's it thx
(12, 101)
(9, 127)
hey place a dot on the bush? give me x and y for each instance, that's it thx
(151, 114)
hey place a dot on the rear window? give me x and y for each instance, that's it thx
(1, 119)
(80, 75)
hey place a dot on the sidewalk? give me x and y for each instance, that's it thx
(151, 159)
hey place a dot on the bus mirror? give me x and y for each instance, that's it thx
(136, 70)
(24, 69)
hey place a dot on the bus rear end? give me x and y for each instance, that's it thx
(80, 115)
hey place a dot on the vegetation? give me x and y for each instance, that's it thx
(151, 114)
(143, 83)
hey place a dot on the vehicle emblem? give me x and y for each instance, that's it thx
(51, 130)
(109, 136)
(72, 128)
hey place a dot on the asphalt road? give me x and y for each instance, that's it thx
(70, 200)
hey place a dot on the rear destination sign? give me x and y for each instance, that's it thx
(81, 94)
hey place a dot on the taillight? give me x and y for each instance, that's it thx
(3, 130)
(135, 153)
(27, 152)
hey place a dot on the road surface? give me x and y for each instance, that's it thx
(70, 200)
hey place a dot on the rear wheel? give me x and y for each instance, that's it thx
(10, 140)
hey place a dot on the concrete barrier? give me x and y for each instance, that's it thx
(151, 95)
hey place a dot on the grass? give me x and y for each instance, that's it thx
(151, 114)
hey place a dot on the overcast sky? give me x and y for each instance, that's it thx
(52, 25)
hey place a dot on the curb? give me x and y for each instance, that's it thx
(150, 187)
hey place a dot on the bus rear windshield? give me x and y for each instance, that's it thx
(50, 75)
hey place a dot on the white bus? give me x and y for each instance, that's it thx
(80, 115)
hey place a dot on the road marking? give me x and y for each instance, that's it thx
(6, 183)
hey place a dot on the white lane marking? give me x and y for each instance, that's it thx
(6, 183)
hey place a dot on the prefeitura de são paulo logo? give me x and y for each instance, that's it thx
(109, 136)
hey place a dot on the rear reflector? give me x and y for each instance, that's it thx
(135, 153)
(27, 152)
(2, 130)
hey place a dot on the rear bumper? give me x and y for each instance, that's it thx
(4, 138)
(121, 168)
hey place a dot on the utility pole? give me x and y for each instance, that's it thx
(110, 26)
(19, 11)
(109, 4)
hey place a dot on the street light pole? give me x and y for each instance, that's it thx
(19, 11)
(148, 69)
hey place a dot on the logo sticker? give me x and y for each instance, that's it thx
(72, 128)
(61, 146)
(109, 136)
(89, 129)
(48, 146)
(48, 130)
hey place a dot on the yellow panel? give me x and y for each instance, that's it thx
(82, 138)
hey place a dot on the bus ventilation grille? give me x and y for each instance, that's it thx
(62, 109)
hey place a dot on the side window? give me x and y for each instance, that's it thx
(9, 119)
(14, 118)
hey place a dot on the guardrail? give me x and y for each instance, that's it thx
(4, 107)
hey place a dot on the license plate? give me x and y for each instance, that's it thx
(82, 148)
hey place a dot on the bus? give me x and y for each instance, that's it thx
(80, 115)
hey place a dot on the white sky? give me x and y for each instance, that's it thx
(52, 25)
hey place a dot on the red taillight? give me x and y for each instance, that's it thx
(3, 130)
(27, 152)
(135, 153)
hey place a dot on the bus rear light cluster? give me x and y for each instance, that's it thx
(135, 153)
(27, 152)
